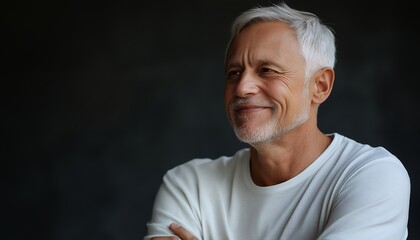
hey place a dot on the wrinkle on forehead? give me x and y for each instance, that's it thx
(264, 41)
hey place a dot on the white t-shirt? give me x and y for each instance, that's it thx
(351, 191)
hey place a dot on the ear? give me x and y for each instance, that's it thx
(323, 84)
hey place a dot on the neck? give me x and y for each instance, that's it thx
(283, 159)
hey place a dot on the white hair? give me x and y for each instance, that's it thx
(316, 40)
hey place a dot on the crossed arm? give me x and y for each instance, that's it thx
(179, 231)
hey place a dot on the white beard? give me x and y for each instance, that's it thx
(272, 129)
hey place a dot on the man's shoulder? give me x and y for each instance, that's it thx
(363, 167)
(356, 149)
(356, 155)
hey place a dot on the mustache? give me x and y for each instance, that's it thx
(240, 102)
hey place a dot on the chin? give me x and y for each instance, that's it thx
(255, 135)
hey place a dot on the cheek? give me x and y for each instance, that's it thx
(278, 93)
(227, 100)
(283, 98)
(227, 94)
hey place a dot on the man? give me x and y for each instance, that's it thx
(294, 181)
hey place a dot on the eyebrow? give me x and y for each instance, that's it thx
(267, 62)
(259, 63)
(233, 65)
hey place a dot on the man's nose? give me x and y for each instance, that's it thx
(247, 85)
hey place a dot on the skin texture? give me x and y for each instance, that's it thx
(265, 91)
(271, 106)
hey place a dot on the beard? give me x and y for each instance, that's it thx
(271, 129)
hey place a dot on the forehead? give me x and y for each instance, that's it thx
(264, 38)
(266, 27)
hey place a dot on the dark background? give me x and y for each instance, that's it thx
(99, 99)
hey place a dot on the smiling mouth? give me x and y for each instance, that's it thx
(249, 109)
(250, 106)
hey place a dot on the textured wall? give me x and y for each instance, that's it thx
(100, 99)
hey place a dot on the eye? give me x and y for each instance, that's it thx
(233, 74)
(267, 70)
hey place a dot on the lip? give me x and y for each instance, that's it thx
(249, 108)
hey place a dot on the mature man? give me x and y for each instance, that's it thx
(294, 181)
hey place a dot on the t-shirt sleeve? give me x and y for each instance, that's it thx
(371, 203)
(176, 202)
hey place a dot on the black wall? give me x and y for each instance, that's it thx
(99, 99)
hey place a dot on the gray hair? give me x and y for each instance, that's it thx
(316, 40)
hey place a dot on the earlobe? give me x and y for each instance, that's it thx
(324, 81)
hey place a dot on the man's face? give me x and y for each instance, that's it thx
(265, 93)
